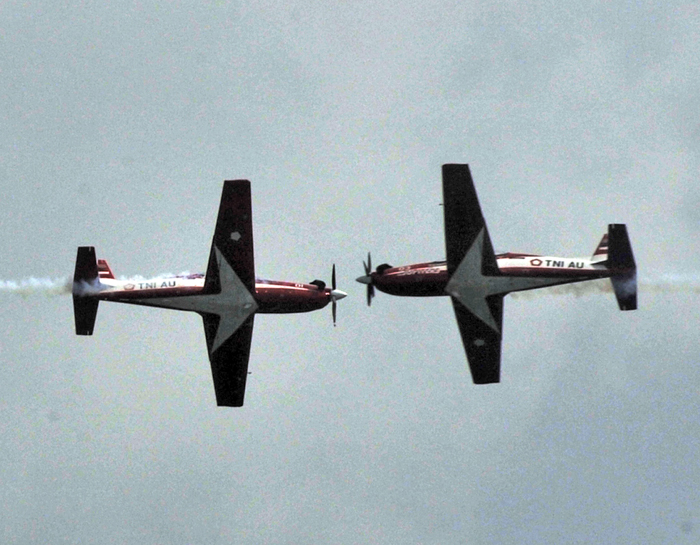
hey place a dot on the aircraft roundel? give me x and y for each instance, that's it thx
(535, 262)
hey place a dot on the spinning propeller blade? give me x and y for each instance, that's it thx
(336, 295)
(334, 306)
(368, 279)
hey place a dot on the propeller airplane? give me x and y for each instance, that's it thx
(477, 280)
(227, 297)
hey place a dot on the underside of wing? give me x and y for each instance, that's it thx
(233, 236)
(229, 360)
(481, 342)
(463, 219)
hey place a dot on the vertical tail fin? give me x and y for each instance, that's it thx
(621, 263)
(104, 270)
(84, 306)
(601, 252)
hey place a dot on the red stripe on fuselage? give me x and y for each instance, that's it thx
(554, 272)
(418, 280)
(430, 279)
(288, 297)
(272, 297)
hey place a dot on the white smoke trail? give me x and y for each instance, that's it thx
(86, 288)
(37, 286)
(665, 283)
(577, 289)
(64, 286)
(671, 283)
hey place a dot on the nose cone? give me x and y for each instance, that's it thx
(337, 295)
(364, 279)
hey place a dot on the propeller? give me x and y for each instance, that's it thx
(367, 279)
(334, 306)
(336, 295)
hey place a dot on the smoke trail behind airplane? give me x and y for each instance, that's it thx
(61, 286)
(665, 283)
(37, 286)
(577, 289)
(671, 283)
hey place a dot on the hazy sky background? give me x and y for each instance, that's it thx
(120, 120)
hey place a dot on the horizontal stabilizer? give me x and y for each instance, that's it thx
(85, 265)
(621, 262)
(625, 287)
(84, 308)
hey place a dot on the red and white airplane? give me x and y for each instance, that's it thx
(227, 297)
(477, 280)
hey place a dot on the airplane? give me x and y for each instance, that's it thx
(227, 297)
(477, 280)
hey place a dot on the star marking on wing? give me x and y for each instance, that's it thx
(471, 287)
(233, 304)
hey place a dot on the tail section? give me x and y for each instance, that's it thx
(84, 306)
(621, 263)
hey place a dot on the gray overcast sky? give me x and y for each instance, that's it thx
(120, 120)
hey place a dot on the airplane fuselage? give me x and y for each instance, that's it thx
(227, 297)
(477, 279)
(430, 279)
(272, 297)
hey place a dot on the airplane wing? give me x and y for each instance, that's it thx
(481, 342)
(229, 361)
(463, 219)
(230, 282)
(470, 261)
(233, 236)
